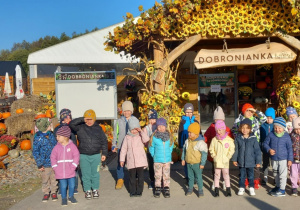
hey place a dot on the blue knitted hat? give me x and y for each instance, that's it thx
(161, 121)
(246, 121)
(291, 110)
(270, 112)
(152, 114)
(279, 121)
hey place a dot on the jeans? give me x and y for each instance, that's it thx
(64, 185)
(250, 175)
(120, 170)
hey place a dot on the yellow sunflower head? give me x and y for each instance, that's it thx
(185, 95)
(167, 102)
(296, 104)
(150, 69)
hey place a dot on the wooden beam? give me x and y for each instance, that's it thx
(174, 54)
(290, 40)
(298, 65)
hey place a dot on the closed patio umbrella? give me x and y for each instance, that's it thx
(7, 88)
(19, 89)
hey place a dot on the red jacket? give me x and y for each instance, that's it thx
(210, 134)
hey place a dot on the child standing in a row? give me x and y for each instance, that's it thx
(133, 150)
(221, 150)
(247, 155)
(295, 169)
(161, 147)
(194, 154)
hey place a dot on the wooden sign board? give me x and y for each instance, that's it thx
(259, 54)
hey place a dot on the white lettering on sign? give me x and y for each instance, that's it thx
(259, 54)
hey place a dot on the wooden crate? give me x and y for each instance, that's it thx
(43, 85)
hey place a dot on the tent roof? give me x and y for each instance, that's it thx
(86, 49)
(10, 68)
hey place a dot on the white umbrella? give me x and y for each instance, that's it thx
(19, 90)
(7, 88)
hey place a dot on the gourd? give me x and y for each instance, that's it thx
(14, 153)
(6, 115)
(243, 78)
(261, 85)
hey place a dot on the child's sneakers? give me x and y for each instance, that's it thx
(75, 191)
(279, 193)
(95, 194)
(166, 192)
(294, 192)
(64, 202)
(151, 185)
(88, 194)
(189, 192)
(46, 197)
(213, 186)
(274, 190)
(264, 181)
(200, 193)
(54, 196)
(251, 190)
(157, 192)
(256, 184)
(73, 200)
(241, 191)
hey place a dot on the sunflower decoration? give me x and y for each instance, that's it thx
(186, 96)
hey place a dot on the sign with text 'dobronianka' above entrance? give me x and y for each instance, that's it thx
(259, 54)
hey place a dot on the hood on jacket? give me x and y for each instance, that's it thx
(188, 118)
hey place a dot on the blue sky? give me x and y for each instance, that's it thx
(31, 19)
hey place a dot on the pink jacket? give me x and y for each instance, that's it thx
(133, 150)
(64, 160)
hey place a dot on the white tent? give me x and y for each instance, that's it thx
(86, 49)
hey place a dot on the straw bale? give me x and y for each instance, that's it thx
(19, 123)
(30, 104)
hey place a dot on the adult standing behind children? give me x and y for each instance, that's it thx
(265, 129)
(149, 129)
(64, 161)
(43, 144)
(210, 133)
(65, 118)
(92, 141)
(257, 118)
(279, 145)
(120, 131)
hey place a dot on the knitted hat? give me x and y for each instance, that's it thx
(127, 106)
(194, 128)
(296, 123)
(133, 123)
(270, 112)
(64, 113)
(161, 121)
(279, 121)
(64, 131)
(42, 124)
(220, 125)
(291, 110)
(90, 114)
(188, 106)
(246, 121)
(246, 106)
(219, 114)
(152, 114)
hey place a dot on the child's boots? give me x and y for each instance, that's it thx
(157, 192)
(166, 192)
(256, 184)
(119, 184)
(216, 192)
(228, 192)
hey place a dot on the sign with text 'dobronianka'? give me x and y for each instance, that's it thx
(259, 54)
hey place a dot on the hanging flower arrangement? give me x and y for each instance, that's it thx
(288, 92)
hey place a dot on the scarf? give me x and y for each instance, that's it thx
(219, 137)
(279, 134)
(164, 136)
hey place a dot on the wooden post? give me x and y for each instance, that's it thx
(298, 65)
(158, 53)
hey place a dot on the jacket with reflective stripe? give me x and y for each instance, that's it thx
(64, 160)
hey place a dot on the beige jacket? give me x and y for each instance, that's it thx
(221, 151)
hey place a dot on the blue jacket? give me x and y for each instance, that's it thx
(183, 129)
(265, 129)
(161, 151)
(247, 151)
(282, 146)
(43, 145)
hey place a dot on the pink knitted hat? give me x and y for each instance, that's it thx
(220, 125)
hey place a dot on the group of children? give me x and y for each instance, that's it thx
(254, 136)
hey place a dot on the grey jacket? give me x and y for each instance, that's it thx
(119, 132)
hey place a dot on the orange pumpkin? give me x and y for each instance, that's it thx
(25, 145)
(261, 85)
(0, 115)
(32, 131)
(19, 111)
(103, 127)
(6, 115)
(3, 150)
(2, 126)
(243, 78)
(49, 113)
(268, 80)
(40, 116)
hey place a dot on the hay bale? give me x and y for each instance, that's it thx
(30, 104)
(19, 123)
